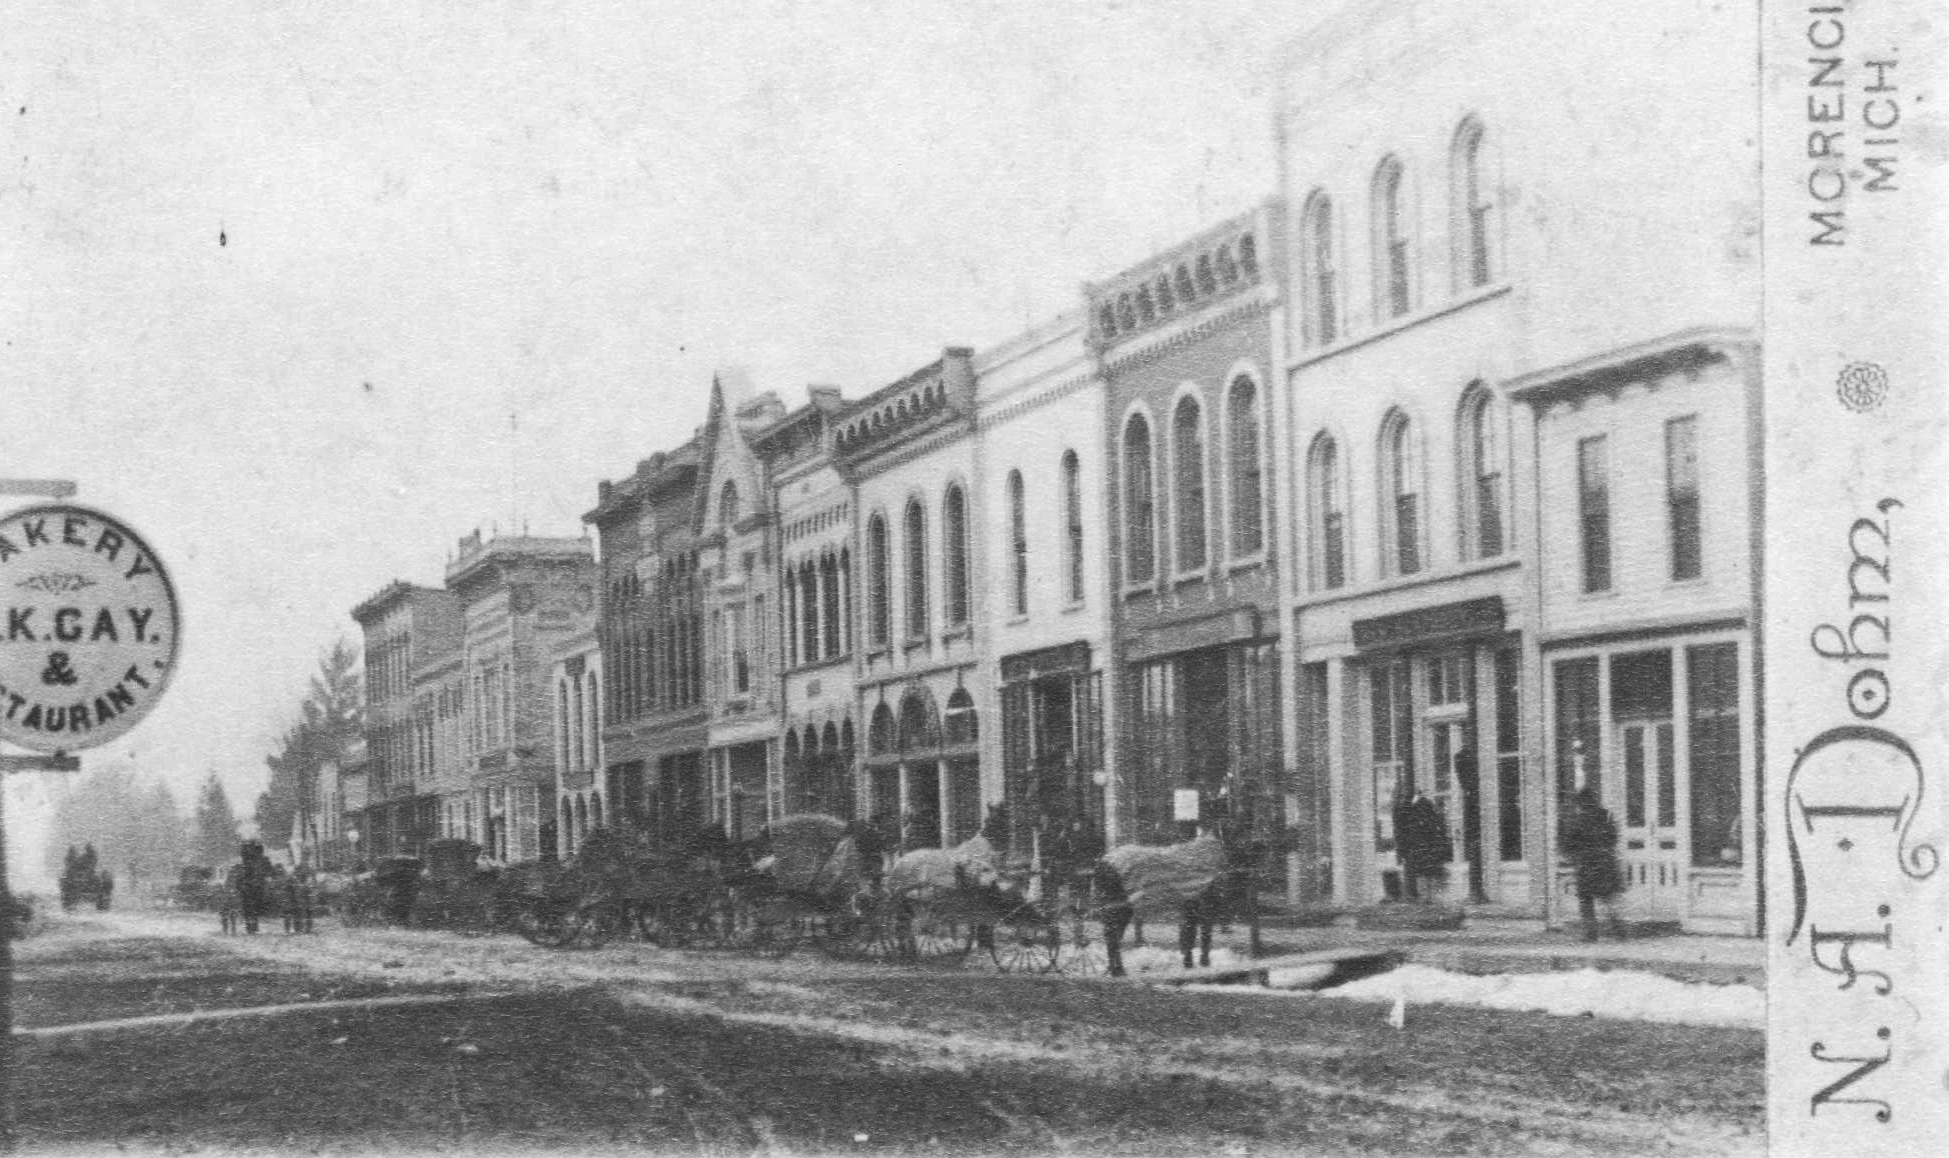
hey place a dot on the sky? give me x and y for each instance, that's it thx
(305, 291)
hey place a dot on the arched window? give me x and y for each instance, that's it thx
(1072, 512)
(1247, 471)
(1188, 483)
(829, 739)
(920, 724)
(962, 725)
(1400, 480)
(809, 611)
(1018, 547)
(1474, 209)
(792, 757)
(1479, 450)
(954, 546)
(1391, 297)
(879, 733)
(1319, 275)
(879, 605)
(846, 738)
(829, 606)
(916, 561)
(1139, 504)
(845, 603)
(727, 506)
(595, 810)
(1326, 498)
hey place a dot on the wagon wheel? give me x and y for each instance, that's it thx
(1023, 941)
(1079, 952)
(938, 937)
(550, 925)
(870, 928)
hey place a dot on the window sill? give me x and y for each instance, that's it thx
(1695, 582)
(1136, 589)
(1017, 620)
(1248, 563)
(958, 631)
(1396, 325)
(1186, 578)
(1073, 607)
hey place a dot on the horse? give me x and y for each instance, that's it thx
(1201, 878)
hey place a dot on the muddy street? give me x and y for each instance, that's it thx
(634, 1046)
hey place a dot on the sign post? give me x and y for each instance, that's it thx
(89, 642)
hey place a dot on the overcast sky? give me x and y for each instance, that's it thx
(476, 256)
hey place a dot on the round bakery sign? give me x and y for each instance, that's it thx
(92, 628)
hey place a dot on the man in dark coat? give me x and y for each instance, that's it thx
(1425, 848)
(1590, 843)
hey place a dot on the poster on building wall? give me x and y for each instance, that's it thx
(1856, 575)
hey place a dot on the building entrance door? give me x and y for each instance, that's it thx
(1645, 801)
(1448, 738)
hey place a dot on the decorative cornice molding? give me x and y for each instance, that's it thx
(1150, 348)
(1014, 408)
(938, 439)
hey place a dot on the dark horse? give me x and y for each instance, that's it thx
(1222, 898)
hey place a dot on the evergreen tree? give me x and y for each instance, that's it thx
(216, 825)
(136, 828)
(328, 722)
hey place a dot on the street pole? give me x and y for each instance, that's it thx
(59, 762)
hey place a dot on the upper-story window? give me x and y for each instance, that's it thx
(1594, 511)
(1247, 471)
(1474, 209)
(829, 607)
(1682, 496)
(1401, 513)
(1188, 483)
(1391, 241)
(1072, 512)
(1018, 546)
(916, 563)
(1479, 449)
(879, 602)
(1139, 504)
(727, 506)
(954, 547)
(1319, 274)
(1326, 496)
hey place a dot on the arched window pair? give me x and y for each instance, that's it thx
(1072, 536)
(1402, 480)
(1391, 224)
(955, 567)
(1244, 484)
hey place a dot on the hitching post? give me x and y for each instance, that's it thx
(58, 762)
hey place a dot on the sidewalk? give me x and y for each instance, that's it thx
(1523, 947)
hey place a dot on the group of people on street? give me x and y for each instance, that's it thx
(1588, 837)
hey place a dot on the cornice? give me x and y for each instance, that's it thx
(1151, 347)
(1014, 408)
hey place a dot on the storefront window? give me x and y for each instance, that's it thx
(1509, 754)
(1391, 725)
(1712, 685)
(1579, 730)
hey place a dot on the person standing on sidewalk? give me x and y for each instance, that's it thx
(1590, 842)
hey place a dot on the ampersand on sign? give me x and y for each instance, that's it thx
(59, 671)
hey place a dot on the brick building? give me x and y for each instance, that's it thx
(404, 625)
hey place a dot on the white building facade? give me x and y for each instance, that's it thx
(1039, 560)
(1473, 273)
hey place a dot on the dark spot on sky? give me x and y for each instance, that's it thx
(23, 110)
(222, 237)
(368, 387)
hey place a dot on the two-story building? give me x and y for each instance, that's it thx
(816, 609)
(575, 669)
(738, 583)
(908, 449)
(656, 724)
(1481, 285)
(1039, 556)
(403, 624)
(1185, 343)
(520, 597)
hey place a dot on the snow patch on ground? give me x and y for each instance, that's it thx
(1611, 993)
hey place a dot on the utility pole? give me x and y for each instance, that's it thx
(55, 762)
